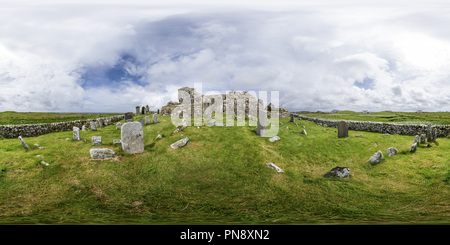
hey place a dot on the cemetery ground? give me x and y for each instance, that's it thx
(221, 176)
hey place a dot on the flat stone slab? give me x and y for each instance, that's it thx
(278, 169)
(102, 153)
(179, 143)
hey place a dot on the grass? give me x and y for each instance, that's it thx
(17, 118)
(221, 176)
(435, 118)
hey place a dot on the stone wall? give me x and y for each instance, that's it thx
(31, 130)
(379, 127)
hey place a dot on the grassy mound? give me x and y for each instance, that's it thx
(221, 176)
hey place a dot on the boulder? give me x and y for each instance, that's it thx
(339, 172)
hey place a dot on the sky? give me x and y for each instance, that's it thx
(111, 56)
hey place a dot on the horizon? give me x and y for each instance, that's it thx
(59, 56)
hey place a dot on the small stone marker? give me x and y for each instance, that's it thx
(342, 129)
(132, 134)
(413, 147)
(93, 126)
(179, 143)
(392, 151)
(279, 170)
(339, 172)
(117, 141)
(434, 134)
(76, 133)
(274, 138)
(376, 158)
(102, 153)
(422, 139)
(83, 128)
(148, 120)
(417, 139)
(158, 137)
(155, 118)
(96, 140)
(292, 118)
(141, 121)
(119, 125)
(23, 143)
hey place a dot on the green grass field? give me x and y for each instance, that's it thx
(17, 118)
(221, 177)
(435, 118)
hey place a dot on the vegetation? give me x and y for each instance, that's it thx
(17, 118)
(435, 118)
(221, 177)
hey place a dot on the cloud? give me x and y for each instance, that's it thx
(321, 56)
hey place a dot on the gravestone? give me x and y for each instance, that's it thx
(93, 126)
(141, 121)
(292, 118)
(262, 119)
(118, 125)
(391, 151)
(434, 134)
(76, 133)
(137, 110)
(83, 128)
(278, 169)
(417, 139)
(179, 143)
(338, 172)
(96, 140)
(376, 158)
(129, 117)
(422, 139)
(132, 137)
(23, 143)
(148, 120)
(342, 129)
(155, 118)
(429, 135)
(413, 147)
(102, 153)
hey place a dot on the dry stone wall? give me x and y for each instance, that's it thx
(31, 130)
(379, 127)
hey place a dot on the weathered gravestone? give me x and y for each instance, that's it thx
(292, 118)
(23, 143)
(138, 110)
(102, 153)
(391, 151)
(342, 129)
(417, 139)
(429, 133)
(155, 118)
(376, 158)
(132, 134)
(422, 139)
(262, 119)
(179, 143)
(83, 128)
(76, 133)
(148, 120)
(141, 121)
(119, 125)
(96, 140)
(93, 126)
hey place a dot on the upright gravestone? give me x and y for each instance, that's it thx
(342, 129)
(429, 135)
(141, 121)
(422, 139)
(129, 117)
(155, 118)
(83, 128)
(96, 140)
(119, 125)
(292, 118)
(23, 143)
(137, 110)
(76, 133)
(132, 134)
(93, 126)
(148, 120)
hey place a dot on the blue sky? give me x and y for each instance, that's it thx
(110, 56)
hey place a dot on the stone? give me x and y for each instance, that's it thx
(342, 129)
(119, 125)
(138, 111)
(96, 140)
(434, 134)
(279, 170)
(338, 172)
(158, 137)
(93, 126)
(391, 151)
(292, 118)
(422, 139)
(46, 164)
(179, 143)
(141, 121)
(76, 133)
(102, 153)
(304, 132)
(429, 136)
(274, 138)
(83, 128)
(23, 143)
(417, 139)
(148, 120)
(155, 118)
(132, 137)
(129, 117)
(413, 147)
(117, 141)
(376, 158)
